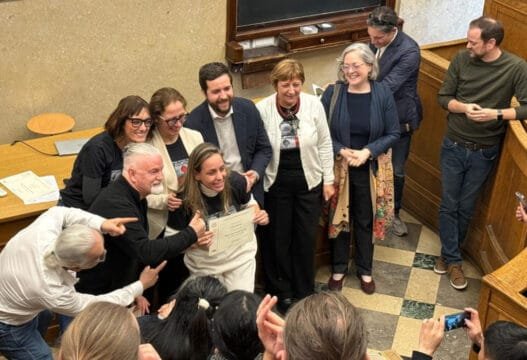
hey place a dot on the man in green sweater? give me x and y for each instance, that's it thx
(477, 91)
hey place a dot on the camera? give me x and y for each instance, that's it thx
(456, 321)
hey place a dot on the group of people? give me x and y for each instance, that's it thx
(161, 175)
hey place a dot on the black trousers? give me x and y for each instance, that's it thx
(288, 243)
(361, 215)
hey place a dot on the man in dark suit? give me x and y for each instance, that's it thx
(234, 125)
(399, 57)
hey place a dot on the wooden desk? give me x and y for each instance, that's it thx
(14, 215)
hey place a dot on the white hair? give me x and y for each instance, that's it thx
(365, 54)
(71, 247)
(134, 150)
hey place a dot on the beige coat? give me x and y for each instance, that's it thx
(157, 204)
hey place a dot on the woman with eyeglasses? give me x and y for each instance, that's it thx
(297, 180)
(364, 125)
(175, 143)
(100, 160)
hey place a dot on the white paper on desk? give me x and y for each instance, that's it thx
(27, 186)
(232, 231)
(53, 196)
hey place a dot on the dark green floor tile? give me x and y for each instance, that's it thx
(424, 261)
(417, 310)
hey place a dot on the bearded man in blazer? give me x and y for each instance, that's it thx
(234, 125)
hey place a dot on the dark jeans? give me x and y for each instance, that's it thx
(361, 215)
(288, 243)
(400, 151)
(23, 342)
(463, 173)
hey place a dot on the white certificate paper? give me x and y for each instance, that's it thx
(232, 231)
(27, 186)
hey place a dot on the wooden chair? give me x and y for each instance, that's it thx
(50, 123)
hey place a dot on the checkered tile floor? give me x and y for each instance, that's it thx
(409, 291)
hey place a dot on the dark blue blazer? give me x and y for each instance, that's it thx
(399, 68)
(253, 142)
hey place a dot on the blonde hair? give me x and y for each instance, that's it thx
(102, 331)
(325, 326)
(287, 69)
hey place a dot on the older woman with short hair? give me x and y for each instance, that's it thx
(296, 180)
(364, 125)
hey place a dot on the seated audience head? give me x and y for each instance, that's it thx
(325, 326)
(130, 121)
(143, 168)
(504, 340)
(185, 333)
(168, 110)
(362, 53)
(102, 331)
(215, 81)
(234, 332)
(206, 168)
(382, 26)
(78, 247)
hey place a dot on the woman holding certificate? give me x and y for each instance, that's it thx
(219, 194)
(298, 178)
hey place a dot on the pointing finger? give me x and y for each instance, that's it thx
(160, 267)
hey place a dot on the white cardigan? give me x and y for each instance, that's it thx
(316, 149)
(157, 204)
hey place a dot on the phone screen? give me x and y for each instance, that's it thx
(456, 321)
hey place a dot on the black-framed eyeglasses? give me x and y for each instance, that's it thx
(176, 119)
(136, 122)
(102, 257)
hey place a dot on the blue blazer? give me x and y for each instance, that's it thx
(399, 69)
(253, 143)
(384, 125)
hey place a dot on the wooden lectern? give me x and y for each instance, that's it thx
(504, 294)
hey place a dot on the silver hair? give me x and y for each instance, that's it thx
(71, 247)
(365, 54)
(134, 150)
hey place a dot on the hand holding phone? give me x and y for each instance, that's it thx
(455, 321)
(521, 199)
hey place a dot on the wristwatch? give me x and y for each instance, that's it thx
(500, 115)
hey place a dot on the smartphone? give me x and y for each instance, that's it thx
(521, 199)
(456, 321)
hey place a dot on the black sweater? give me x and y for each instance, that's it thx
(129, 253)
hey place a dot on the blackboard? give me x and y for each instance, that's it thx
(260, 13)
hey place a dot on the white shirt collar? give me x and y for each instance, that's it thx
(215, 116)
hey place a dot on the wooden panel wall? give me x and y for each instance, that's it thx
(494, 236)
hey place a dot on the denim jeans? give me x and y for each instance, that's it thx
(23, 342)
(400, 151)
(463, 173)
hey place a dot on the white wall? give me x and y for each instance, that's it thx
(432, 21)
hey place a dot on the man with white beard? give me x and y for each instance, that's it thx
(129, 253)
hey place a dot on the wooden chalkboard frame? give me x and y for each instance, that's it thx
(234, 34)
(252, 63)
